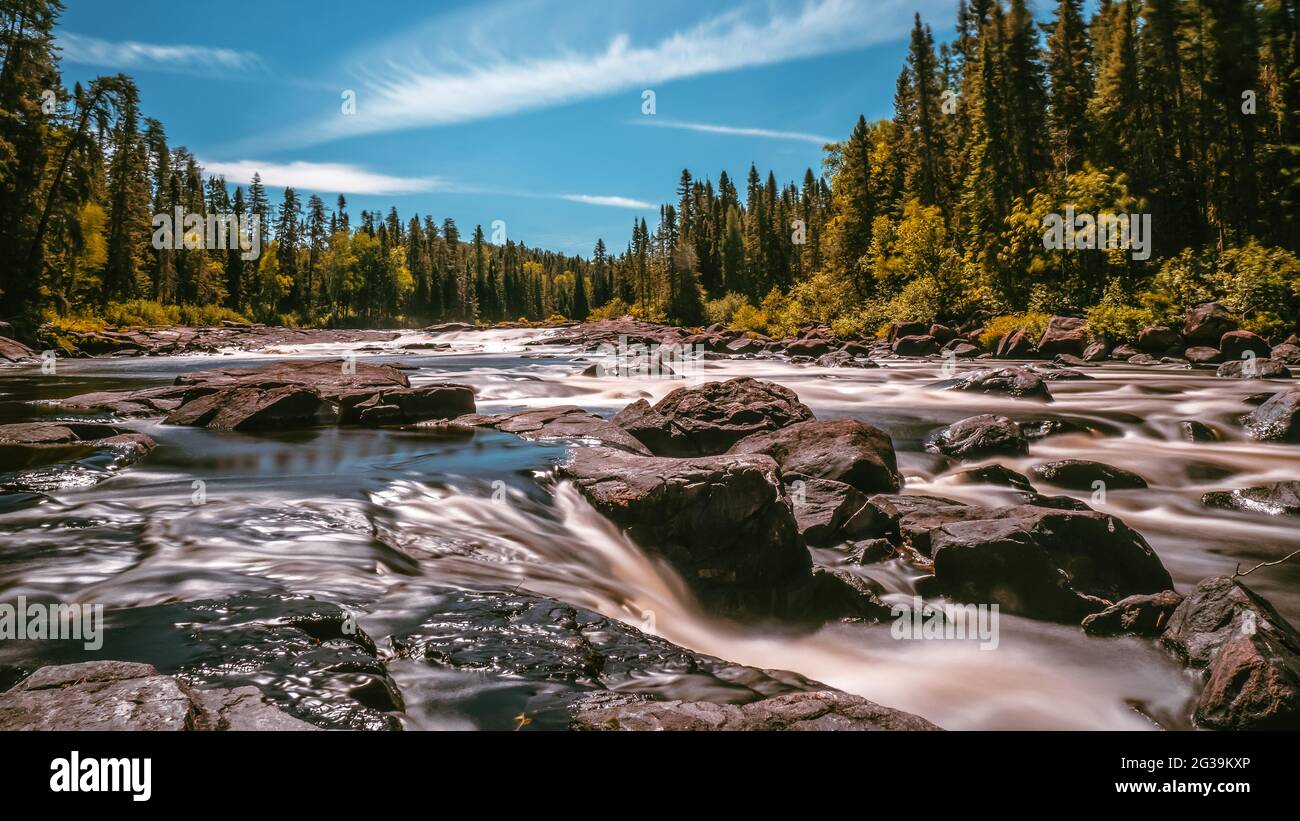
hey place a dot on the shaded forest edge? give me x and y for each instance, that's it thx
(1188, 112)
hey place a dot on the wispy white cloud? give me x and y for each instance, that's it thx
(708, 128)
(612, 202)
(80, 48)
(481, 75)
(327, 177)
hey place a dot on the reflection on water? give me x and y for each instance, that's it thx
(378, 521)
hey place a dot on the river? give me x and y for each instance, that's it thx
(380, 521)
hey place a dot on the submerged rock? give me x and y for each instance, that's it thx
(979, 436)
(710, 419)
(1249, 652)
(39, 457)
(1020, 383)
(1277, 419)
(1276, 499)
(1081, 474)
(559, 422)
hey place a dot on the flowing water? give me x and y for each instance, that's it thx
(382, 521)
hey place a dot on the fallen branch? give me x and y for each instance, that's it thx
(1238, 572)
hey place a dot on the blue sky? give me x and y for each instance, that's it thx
(526, 111)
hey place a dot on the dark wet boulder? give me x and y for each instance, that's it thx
(942, 334)
(1053, 372)
(1206, 323)
(1236, 344)
(899, 330)
(1096, 352)
(961, 349)
(42, 457)
(1253, 369)
(1158, 339)
(994, 475)
(331, 378)
(843, 359)
(824, 710)
(1249, 652)
(1016, 345)
(120, 695)
(1145, 615)
(978, 437)
(724, 523)
(845, 450)
(1072, 361)
(822, 508)
(857, 349)
(1082, 474)
(1277, 419)
(1035, 429)
(1275, 499)
(138, 403)
(559, 422)
(709, 419)
(1123, 353)
(1203, 355)
(808, 347)
(1020, 383)
(405, 406)
(915, 346)
(1045, 563)
(1143, 359)
(1193, 431)
(1064, 335)
(255, 408)
(881, 516)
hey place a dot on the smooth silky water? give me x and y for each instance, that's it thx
(379, 521)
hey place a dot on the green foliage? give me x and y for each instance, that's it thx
(724, 308)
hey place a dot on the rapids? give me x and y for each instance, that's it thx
(374, 520)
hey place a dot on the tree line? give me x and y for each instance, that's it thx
(1187, 110)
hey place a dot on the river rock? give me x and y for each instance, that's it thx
(898, 330)
(1059, 565)
(915, 346)
(1096, 352)
(723, 522)
(13, 351)
(1016, 345)
(1206, 323)
(1081, 474)
(709, 419)
(1287, 353)
(1277, 419)
(1064, 335)
(808, 347)
(120, 695)
(1144, 615)
(994, 475)
(1254, 369)
(1158, 339)
(845, 450)
(1203, 355)
(1236, 344)
(942, 333)
(881, 516)
(1193, 431)
(961, 349)
(979, 436)
(42, 457)
(1249, 652)
(254, 408)
(1276, 499)
(559, 422)
(843, 359)
(1020, 383)
(823, 710)
(822, 508)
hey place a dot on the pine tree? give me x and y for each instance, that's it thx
(1069, 66)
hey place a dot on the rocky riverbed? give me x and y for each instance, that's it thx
(582, 527)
